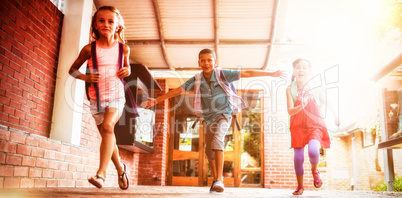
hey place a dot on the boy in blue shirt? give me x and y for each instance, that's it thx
(216, 108)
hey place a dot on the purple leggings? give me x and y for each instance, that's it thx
(313, 154)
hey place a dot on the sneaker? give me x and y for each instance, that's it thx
(218, 186)
(212, 190)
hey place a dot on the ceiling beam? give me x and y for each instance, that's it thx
(275, 12)
(216, 28)
(96, 4)
(197, 68)
(388, 68)
(207, 42)
(160, 31)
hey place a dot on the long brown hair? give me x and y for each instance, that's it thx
(120, 31)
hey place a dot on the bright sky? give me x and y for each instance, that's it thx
(342, 32)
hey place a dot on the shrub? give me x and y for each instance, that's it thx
(382, 186)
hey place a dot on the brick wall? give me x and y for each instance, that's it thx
(32, 161)
(30, 37)
(340, 166)
(153, 166)
(28, 63)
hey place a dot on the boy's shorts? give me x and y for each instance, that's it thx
(215, 135)
(99, 116)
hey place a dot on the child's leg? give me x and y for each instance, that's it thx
(219, 164)
(212, 166)
(219, 129)
(298, 160)
(115, 157)
(208, 136)
(108, 144)
(314, 153)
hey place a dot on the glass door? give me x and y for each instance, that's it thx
(251, 137)
(186, 146)
(187, 163)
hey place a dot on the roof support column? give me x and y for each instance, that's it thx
(272, 35)
(69, 93)
(160, 31)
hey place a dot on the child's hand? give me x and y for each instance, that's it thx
(149, 103)
(123, 72)
(305, 101)
(92, 77)
(280, 74)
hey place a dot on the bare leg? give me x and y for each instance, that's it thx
(212, 166)
(299, 180)
(219, 164)
(108, 147)
(314, 167)
(117, 163)
(115, 157)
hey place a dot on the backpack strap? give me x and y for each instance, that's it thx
(95, 69)
(293, 91)
(234, 90)
(87, 84)
(195, 122)
(197, 106)
(126, 87)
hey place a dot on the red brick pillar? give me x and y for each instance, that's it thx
(152, 167)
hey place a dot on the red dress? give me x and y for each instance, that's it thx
(308, 124)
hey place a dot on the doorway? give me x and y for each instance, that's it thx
(187, 162)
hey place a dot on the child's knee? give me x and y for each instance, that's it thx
(210, 154)
(314, 156)
(299, 158)
(107, 127)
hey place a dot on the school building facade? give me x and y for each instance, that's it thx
(37, 149)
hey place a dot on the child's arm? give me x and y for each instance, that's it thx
(126, 69)
(84, 55)
(292, 110)
(153, 101)
(256, 73)
(330, 107)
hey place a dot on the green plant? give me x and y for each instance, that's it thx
(382, 186)
(252, 134)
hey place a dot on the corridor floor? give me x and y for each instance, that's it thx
(178, 192)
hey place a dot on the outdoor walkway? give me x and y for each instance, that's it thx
(177, 192)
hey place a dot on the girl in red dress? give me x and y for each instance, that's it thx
(307, 125)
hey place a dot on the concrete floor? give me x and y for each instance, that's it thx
(176, 191)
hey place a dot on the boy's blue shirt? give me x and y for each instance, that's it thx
(214, 101)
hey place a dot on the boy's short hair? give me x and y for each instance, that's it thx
(207, 51)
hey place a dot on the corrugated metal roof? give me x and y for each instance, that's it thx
(168, 34)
